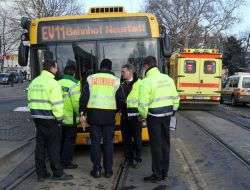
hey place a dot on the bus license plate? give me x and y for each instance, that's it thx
(199, 97)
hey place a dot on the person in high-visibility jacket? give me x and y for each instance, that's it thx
(99, 102)
(75, 93)
(68, 82)
(45, 102)
(158, 101)
(127, 97)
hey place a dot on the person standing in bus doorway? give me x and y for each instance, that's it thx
(99, 103)
(127, 100)
(158, 100)
(45, 102)
(68, 82)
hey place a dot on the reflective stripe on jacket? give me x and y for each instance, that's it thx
(75, 93)
(157, 95)
(45, 99)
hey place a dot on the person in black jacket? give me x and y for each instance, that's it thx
(130, 125)
(99, 103)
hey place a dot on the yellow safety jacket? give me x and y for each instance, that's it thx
(102, 87)
(157, 95)
(45, 99)
(132, 100)
(67, 83)
(75, 93)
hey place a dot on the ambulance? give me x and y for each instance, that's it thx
(197, 75)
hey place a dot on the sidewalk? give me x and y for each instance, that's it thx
(82, 179)
(179, 176)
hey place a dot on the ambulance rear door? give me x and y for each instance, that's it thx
(188, 78)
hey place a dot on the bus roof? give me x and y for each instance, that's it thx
(151, 19)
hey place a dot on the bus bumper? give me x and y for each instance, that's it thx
(83, 138)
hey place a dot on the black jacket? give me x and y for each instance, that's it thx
(95, 116)
(122, 94)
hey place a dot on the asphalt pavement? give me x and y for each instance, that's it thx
(16, 135)
(215, 166)
(12, 97)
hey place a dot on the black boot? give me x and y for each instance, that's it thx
(152, 178)
(108, 174)
(95, 174)
(63, 177)
(45, 176)
(70, 166)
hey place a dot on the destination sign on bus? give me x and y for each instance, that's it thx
(73, 30)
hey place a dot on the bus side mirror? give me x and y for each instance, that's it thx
(23, 52)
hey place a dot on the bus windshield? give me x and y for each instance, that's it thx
(88, 55)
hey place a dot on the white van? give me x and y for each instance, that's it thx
(237, 89)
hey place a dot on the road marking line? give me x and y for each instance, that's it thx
(12, 97)
(21, 109)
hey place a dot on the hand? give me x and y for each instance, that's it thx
(83, 121)
(59, 123)
(142, 121)
(173, 113)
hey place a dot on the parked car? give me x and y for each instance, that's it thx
(4, 78)
(19, 77)
(237, 89)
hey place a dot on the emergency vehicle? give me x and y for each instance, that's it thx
(197, 75)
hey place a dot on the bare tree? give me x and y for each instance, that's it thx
(46, 8)
(12, 11)
(8, 31)
(193, 23)
(8, 37)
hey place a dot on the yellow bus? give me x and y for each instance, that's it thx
(197, 75)
(87, 39)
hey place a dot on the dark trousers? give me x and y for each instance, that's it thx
(68, 142)
(105, 133)
(48, 137)
(158, 129)
(131, 135)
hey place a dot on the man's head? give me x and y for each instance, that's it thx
(70, 68)
(51, 66)
(106, 64)
(149, 62)
(128, 71)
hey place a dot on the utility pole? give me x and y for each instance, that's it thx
(1, 55)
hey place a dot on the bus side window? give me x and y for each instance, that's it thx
(231, 81)
(236, 82)
(190, 66)
(209, 67)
